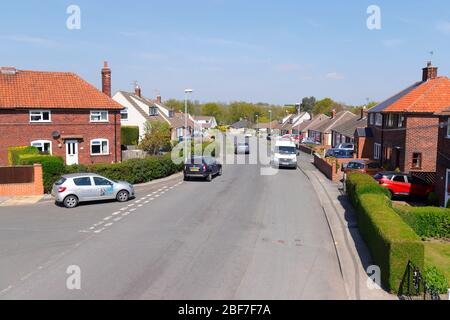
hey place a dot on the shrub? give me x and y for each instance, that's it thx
(448, 204)
(359, 184)
(15, 152)
(433, 199)
(391, 242)
(436, 280)
(428, 222)
(52, 167)
(129, 135)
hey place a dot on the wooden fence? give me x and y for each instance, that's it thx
(15, 175)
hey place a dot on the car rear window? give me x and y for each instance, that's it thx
(355, 165)
(60, 182)
(82, 182)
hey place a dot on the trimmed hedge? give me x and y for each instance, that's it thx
(427, 222)
(129, 135)
(15, 152)
(133, 171)
(392, 243)
(52, 167)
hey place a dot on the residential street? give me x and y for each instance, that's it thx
(242, 236)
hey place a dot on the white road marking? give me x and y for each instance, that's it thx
(109, 224)
(147, 201)
(126, 214)
(116, 213)
(123, 209)
(100, 230)
(131, 205)
(6, 290)
(137, 201)
(107, 218)
(117, 219)
(132, 210)
(141, 205)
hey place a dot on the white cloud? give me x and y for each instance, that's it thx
(28, 40)
(334, 76)
(443, 26)
(392, 43)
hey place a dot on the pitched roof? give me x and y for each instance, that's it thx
(348, 128)
(50, 90)
(241, 124)
(331, 123)
(314, 122)
(422, 97)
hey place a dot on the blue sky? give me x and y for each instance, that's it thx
(227, 50)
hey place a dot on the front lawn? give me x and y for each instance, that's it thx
(438, 254)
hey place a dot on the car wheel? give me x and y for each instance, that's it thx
(209, 177)
(70, 202)
(123, 196)
(186, 178)
(220, 172)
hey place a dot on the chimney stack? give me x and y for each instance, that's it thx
(333, 113)
(159, 99)
(138, 91)
(429, 72)
(106, 79)
(363, 113)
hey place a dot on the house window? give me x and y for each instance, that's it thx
(44, 146)
(153, 111)
(377, 151)
(448, 128)
(417, 160)
(124, 114)
(401, 121)
(99, 147)
(378, 119)
(99, 116)
(392, 120)
(40, 116)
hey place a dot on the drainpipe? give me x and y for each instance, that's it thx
(115, 137)
(382, 140)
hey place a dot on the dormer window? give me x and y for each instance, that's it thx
(171, 114)
(153, 111)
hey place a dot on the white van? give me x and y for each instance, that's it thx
(285, 154)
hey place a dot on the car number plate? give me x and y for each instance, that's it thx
(195, 169)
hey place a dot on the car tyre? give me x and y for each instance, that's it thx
(123, 196)
(209, 177)
(71, 202)
(220, 172)
(186, 178)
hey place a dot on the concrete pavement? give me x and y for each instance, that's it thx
(243, 236)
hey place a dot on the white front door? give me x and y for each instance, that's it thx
(71, 152)
(447, 188)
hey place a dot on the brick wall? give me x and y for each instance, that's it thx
(16, 130)
(364, 148)
(35, 188)
(443, 162)
(329, 170)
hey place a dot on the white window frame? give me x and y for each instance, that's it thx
(99, 142)
(41, 113)
(42, 142)
(377, 151)
(124, 112)
(378, 119)
(99, 113)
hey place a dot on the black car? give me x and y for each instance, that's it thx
(202, 167)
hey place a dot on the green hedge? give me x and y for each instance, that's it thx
(129, 135)
(133, 171)
(392, 243)
(427, 222)
(15, 152)
(52, 167)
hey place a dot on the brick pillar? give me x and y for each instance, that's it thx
(38, 180)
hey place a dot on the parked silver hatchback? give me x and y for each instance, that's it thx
(72, 189)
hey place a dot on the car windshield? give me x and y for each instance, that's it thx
(286, 150)
(355, 165)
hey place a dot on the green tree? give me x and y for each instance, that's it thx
(308, 104)
(157, 137)
(326, 106)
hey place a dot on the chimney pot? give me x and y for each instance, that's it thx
(106, 79)
(429, 72)
(138, 91)
(159, 99)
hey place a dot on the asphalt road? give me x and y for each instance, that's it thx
(242, 236)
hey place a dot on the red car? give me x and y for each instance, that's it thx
(401, 184)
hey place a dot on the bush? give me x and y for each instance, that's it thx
(52, 167)
(15, 152)
(428, 222)
(129, 135)
(436, 280)
(391, 241)
(433, 199)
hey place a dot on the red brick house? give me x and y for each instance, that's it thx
(61, 114)
(443, 159)
(405, 127)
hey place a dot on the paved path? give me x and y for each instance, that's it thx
(243, 236)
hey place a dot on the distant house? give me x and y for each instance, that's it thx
(322, 131)
(443, 158)
(405, 127)
(344, 132)
(203, 124)
(60, 114)
(290, 124)
(139, 110)
(315, 121)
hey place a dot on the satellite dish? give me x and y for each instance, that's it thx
(56, 134)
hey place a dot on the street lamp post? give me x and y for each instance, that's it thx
(270, 122)
(186, 92)
(298, 127)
